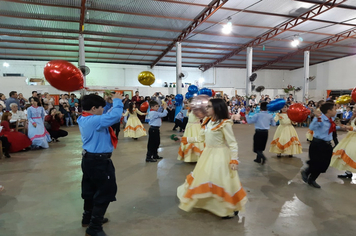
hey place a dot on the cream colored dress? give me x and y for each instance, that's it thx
(191, 152)
(285, 139)
(134, 127)
(344, 154)
(212, 185)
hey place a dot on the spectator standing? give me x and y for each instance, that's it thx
(12, 99)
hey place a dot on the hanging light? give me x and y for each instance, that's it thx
(5, 64)
(296, 41)
(227, 28)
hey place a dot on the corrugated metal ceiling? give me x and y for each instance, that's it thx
(138, 31)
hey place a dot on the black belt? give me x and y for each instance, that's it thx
(155, 127)
(318, 140)
(102, 155)
(261, 130)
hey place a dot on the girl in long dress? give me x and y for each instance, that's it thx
(191, 152)
(134, 128)
(344, 154)
(36, 129)
(18, 140)
(214, 184)
(285, 140)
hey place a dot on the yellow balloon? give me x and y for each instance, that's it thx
(344, 99)
(146, 78)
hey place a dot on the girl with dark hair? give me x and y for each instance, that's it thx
(55, 120)
(36, 129)
(134, 128)
(285, 140)
(18, 141)
(214, 184)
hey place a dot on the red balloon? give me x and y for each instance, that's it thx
(144, 107)
(353, 94)
(298, 113)
(63, 75)
(213, 92)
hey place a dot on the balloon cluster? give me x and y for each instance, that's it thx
(276, 104)
(198, 105)
(298, 113)
(205, 91)
(179, 98)
(63, 75)
(146, 78)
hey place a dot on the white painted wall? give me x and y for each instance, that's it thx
(336, 74)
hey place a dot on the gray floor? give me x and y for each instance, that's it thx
(42, 195)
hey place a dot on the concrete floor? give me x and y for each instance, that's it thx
(42, 195)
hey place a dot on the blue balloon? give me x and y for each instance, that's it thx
(192, 89)
(188, 95)
(205, 91)
(276, 104)
(179, 98)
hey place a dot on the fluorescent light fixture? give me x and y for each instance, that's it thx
(5, 64)
(227, 28)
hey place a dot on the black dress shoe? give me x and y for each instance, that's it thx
(256, 160)
(279, 155)
(85, 223)
(264, 159)
(304, 176)
(7, 155)
(151, 160)
(290, 156)
(313, 184)
(344, 176)
(227, 217)
(236, 213)
(157, 157)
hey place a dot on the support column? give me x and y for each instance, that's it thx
(82, 55)
(178, 67)
(248, 70)
(306, 76)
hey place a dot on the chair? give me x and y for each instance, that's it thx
(20, 127)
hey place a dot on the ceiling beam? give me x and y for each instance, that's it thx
(42, 4)
(315, 11)
(82, 17)
(329, 41)
(201, 18)
(349, 7)
(254, 12)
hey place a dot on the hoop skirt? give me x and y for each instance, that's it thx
(285, 139)
(38, 135)
(212, 185)
(344, 154)
(18, 140)
(191, 152)
(134, 127)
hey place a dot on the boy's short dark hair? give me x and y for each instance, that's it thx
(329, 105)
(12, 93)
(263, 106)
(92, 100)
(34, 92)
(153, 103)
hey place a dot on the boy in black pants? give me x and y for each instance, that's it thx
(99, 140)
(320, 150)
(154, 138)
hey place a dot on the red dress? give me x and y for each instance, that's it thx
(19, 141)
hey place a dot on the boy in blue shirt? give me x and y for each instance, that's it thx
(262, 121)
(320, 149)
(154, 138)
(98, 182)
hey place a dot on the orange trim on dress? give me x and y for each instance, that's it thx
(214, 189)
(184, 140)
(220, 124)
(134, 128)
(190, 147)
(205, 121)
(236, 162)
(345, 158)
(287, 145)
